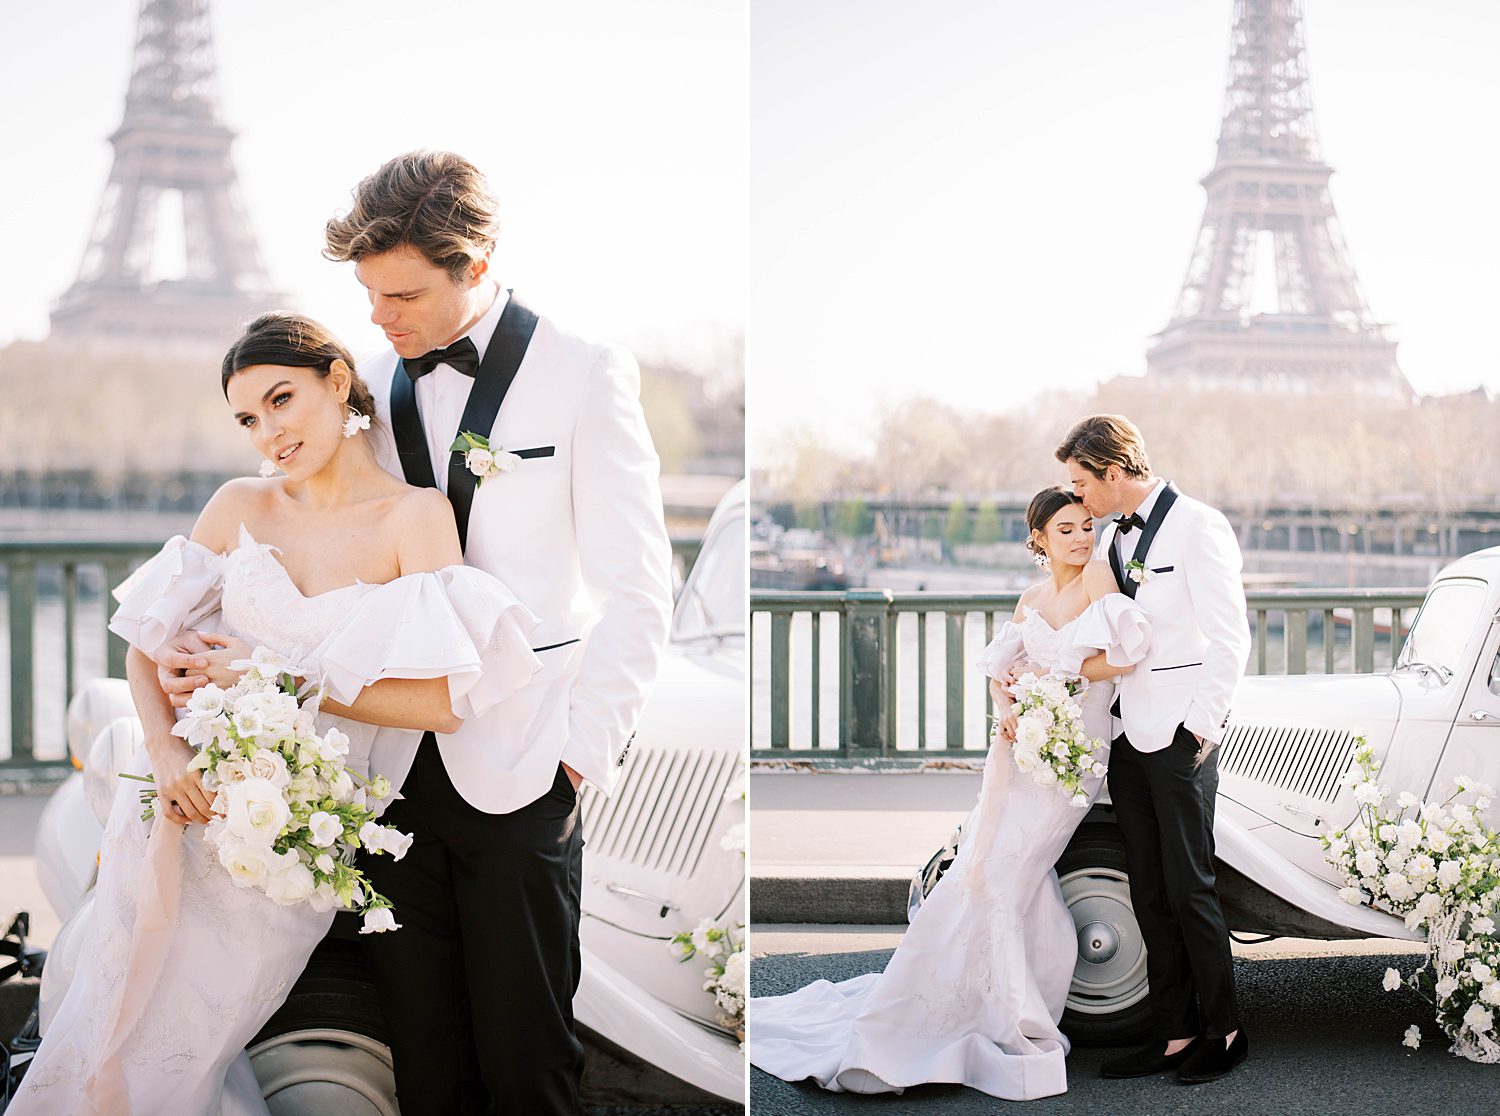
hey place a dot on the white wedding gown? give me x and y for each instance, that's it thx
(975, 990)
(183, 967)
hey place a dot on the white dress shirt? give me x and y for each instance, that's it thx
(1125, 541)
(443, 393)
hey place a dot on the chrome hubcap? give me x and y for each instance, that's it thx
(1110, 975)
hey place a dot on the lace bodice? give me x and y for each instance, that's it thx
(1042, 642)
(262, 605)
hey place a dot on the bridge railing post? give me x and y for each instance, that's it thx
(868, 662)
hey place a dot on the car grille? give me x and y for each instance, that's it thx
(662, 814)
(1307, 762)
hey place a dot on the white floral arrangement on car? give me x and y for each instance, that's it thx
(724, 947)
(290, 814)
(1435, 864)
(1051, 744)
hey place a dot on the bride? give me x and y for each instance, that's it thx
(336, 565)
(975, 990)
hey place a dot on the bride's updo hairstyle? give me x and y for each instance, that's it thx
(1044, 505)
(294, 341)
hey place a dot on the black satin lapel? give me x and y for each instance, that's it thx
(411, 436)
(1126, 585)
(497, 371)
(1164, 504)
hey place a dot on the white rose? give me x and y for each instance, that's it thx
(1025, 761)
(270, 765)
(479, 462)
(257, 812)
(378, 920)
(295, 885)
(1446, 987)
(245, 862)
(1367, 862)
(233, 771)
(1030, 735)
(1391, 981)
(1480, 972)
(1479, 1019)
(325, 829)
(1413, 1037)
(507, 462)
(380, 787)
(1046, 776)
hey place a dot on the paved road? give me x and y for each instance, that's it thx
(1324, 1038)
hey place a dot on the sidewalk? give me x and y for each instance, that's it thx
(841, 847)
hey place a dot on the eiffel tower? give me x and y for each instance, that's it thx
(1271, 301)
(172, 172)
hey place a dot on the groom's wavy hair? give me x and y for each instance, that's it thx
(435, 202)
(1100, 441)
(294, 341)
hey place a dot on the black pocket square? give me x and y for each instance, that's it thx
(1163, 569)
(536, 451)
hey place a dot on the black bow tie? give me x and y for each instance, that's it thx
(1129, 523)
(461, 356)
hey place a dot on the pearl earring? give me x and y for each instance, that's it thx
(355, 423)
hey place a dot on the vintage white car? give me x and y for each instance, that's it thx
(661, 855)
(1434, 716)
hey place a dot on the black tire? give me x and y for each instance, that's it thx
(334, 992)
(1107, 1003)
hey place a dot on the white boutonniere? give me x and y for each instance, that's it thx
(1137, 572)
(482, 459)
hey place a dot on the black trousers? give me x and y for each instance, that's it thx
(477, 986)
(1165, 808)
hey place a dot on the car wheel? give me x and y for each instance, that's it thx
(1107, 1002)
(323, 1053)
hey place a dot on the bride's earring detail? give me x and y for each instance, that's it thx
(355, 423)
(267, 467)
(1041, 559)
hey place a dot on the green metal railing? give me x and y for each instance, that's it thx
(57, 593)
(871, 674)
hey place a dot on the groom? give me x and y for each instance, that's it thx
(477, 987)
(1179, 559)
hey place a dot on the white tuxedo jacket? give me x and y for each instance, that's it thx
(578, 535)
(1200, 637)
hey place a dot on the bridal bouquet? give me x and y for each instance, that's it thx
(1051, 744)
(290, 813)
(724, 948)
(1436, 864)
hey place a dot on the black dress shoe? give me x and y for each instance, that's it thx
(1214, 1059)
(1148, 1060)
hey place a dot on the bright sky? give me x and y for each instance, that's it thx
(613, 133)
(976, 200)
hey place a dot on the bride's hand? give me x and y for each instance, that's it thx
(1005, 714)
(179, 792)
(229, 650)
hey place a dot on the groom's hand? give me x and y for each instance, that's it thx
(180, 664)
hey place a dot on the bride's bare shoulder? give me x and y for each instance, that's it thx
(426, 532)
(1099, 580)
(237, 500)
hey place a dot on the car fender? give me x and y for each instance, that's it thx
(620, 1010)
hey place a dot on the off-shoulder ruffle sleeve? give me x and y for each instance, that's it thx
(457, 622)
(175, 589)
(1113, 624)
(1002, 650)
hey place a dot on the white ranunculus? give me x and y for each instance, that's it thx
(245, 862)
(380, 787)
(295, 885)
(1479, 1018)
(1413, 1037)
(378, 921)
(270, 765)
(257, 812)
(1446, 987)
(1367, 861)
(1391, 981)
(324, 830)
(1449, 873)
(1398, 887)
(1421, 867)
